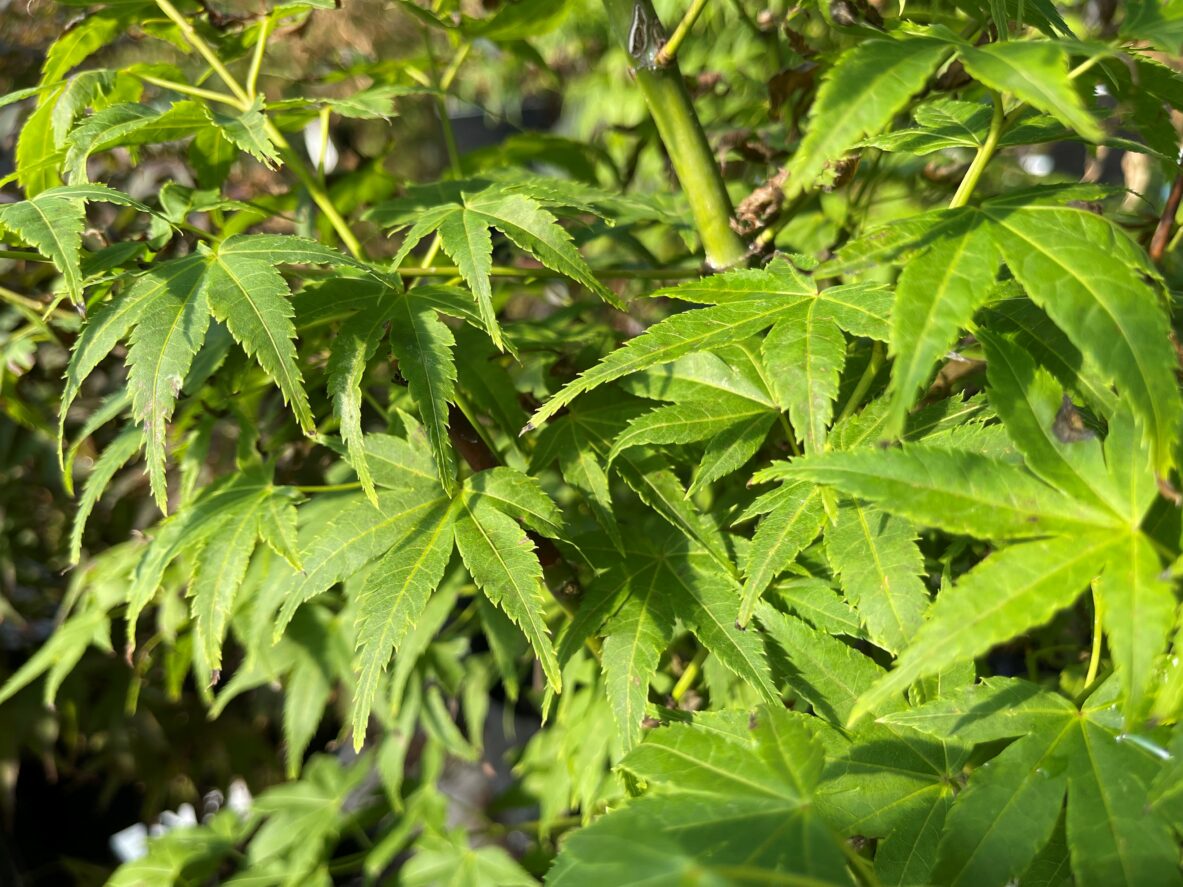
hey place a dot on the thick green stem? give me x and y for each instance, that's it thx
(638, 29)
(974, 173)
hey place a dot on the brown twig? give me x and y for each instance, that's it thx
(1162, 234)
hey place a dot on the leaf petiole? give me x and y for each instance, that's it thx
(974, 174)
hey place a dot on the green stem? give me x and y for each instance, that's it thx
(441, 107)
(974, 173)
(454, 66)
(185, 89)
(549, 274)
(252, 77)
(315, 190)
(318, 194)
(639, 31)
(789, 436)
(864, 382)
(1084, 66)
(669, 52)
(204, 50)
(689, 675)
(20, 255)
(1098, 633)
(38, 309)
(330, 488)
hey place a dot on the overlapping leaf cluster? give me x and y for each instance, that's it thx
(758, 557)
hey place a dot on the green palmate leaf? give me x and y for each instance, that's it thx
(38, 160)
(859, 308)
(634, 639)
(464, 222)
(453, 861)
(578, 442)
(1022, 320)
(783, 533)
(172, 322)
(100, 335)
(816, 602)
(659, 488)
(778, 280)
(1011, 807)
(602, 596)
(220, 571)
(76, 44)
(393, 599)
(52, 223)
(467, 240)
(187, 531)
(1011, 591)
(700, 330)
(732, 809)
(251, 298)
(57, 657)
(81, 91)
(354, 536)
(117, 454)
(893, 783)
(805, 353)
(533, 229)
(1137, 609)
(730, 407)
(702, 376)
(167, 309)
(940, 124)
(520, 496)
(709, 605)
(1129, 463)
(996, 708)
(503, 564)
(53, 226)
(876, 558)
(890, 70)
(885, 243)
(247, 131)
(827, 673)
(696, 761)
(730, 449)
(423, 345)
(1087, 276)
(1007, 813)
(127, 124)
(306, 694)
(1036, 73)
(286, 249)
(687, 422)
(936, 296)
(355, 344)
(1110, 838)
(958, 491)
(278, 525)
(1028, 400)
